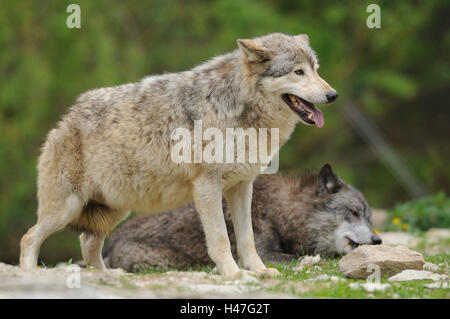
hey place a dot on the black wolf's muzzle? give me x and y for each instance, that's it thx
(376, 240)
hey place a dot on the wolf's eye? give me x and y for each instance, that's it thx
(299, 72)
(354, 212)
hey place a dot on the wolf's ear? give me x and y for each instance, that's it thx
(328, 181)
(303, 38)
(253, 51)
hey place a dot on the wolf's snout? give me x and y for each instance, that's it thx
(331, 96)
(376, 240)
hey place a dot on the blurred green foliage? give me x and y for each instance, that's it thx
(421, 214)
(398, 74)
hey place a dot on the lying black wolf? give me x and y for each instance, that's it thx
(314, 214)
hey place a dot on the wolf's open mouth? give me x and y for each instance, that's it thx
(352, 243)
(306, 110)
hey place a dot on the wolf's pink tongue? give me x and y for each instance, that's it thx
(318, 118)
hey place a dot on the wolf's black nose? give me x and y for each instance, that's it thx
(331, 96)
(376, 240)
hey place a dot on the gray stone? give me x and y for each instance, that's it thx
(409, 274)
(379, 260)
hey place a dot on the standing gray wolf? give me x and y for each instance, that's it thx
(111, 153)
(317, 213)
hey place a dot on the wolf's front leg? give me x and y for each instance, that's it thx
(239, 199)
(208, 201)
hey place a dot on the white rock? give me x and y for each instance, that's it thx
(411, 274)
(307, 261)
(326, 277)
(438, 285)
(379, 260)
(354, 285)
(430, 267)
(370, 286)
(319, 278)
(336, 279)
(373, 286)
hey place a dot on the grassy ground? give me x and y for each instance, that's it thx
(303, 284)
(322, 280)
(341, 289)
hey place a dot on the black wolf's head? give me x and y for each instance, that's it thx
(350, 211)
(285, 70)
(330, 216)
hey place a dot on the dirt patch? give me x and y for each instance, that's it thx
(306, 277)
(73, 282)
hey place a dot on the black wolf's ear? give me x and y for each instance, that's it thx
(253, 51)
(328, 181)
(303, 38)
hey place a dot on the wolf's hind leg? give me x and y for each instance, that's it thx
(91, 250)
(239, 199)
(96, 221)
(50, 220)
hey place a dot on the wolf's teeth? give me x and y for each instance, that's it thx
(293, 99)
(310, 116)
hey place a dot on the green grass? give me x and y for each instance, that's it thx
(439, 258)
(415, 216)
(421, 214)
(297, 283)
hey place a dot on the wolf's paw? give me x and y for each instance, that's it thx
(230, 272)
(99, 268)
(241, 275)
(268, 272)
(245, 276)
(35, 269)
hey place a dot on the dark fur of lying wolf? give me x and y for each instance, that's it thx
(316, 213)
